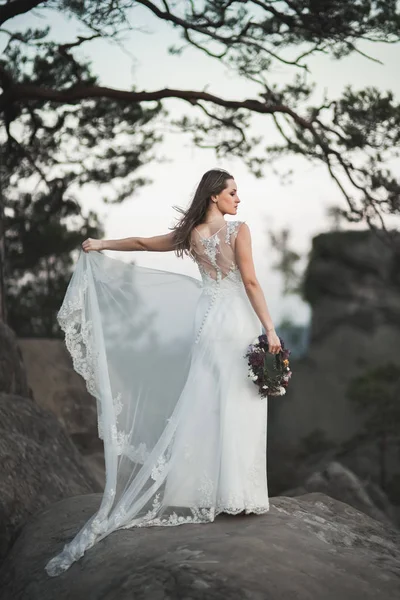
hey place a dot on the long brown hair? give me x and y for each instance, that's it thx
(211, 184)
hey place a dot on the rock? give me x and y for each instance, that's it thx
(12, 370)
(95, 465)
(381, 501)
(353, 278)
(58, 388)
(338, 482)
(353, 286)
(39, 465)
(306, 548)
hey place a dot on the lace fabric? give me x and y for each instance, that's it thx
(215, 253)
(162, 354)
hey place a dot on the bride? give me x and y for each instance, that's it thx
(183, 426)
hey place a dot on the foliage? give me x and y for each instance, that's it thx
(355, 136)
(52, 151)
(288, 261)
(40, 252)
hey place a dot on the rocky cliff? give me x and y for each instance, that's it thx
(353, 285)
(39, 464)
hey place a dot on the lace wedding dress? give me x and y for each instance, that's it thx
(184, 429)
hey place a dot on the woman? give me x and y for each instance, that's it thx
(183, 426)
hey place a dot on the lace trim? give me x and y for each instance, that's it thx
(198, 515)
(209, 502)
(210, 245)
(204, 510)
(79, 337)
(232, 227)
(81, 345)
(211, 248)
(257, 510)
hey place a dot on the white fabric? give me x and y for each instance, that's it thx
(183, 426)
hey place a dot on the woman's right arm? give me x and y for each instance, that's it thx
(157, 243)
(244, 259)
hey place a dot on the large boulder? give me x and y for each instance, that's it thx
(353, 279)
(352, 284)
(12, 370)
(311, 547)
(337, 481)
(39, 465)
(58, 388)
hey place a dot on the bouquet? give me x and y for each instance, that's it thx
(271, 379)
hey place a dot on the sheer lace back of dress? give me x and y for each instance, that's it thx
(215, 253)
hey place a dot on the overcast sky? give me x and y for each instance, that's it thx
(265, 203)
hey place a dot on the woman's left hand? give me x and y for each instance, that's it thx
(274, 343)
(92, 244)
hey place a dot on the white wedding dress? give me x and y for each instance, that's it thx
(183, 426)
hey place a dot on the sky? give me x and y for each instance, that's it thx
(266, 203)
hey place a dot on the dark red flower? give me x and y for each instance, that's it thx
(256, 359)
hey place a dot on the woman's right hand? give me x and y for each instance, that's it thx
(92, 244)
(274, 344)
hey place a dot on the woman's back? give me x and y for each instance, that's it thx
(213, 248)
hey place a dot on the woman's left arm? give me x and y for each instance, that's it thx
(157, 243)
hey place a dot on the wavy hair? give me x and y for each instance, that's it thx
(211, 184)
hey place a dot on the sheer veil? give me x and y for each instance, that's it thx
(129, 331)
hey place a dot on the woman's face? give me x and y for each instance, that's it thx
(228, 200)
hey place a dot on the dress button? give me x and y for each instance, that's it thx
(213, 298)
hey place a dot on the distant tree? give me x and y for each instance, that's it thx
(41, 251)
(335, 218)
(58, 121)
(376, 394)
(288, 260)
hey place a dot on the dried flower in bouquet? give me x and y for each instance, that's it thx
(270, 373)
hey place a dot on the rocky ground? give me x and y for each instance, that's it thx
(306, 548)
(39, 463)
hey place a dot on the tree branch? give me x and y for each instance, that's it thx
(81, 39)
(17, 7)
(20, 91)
